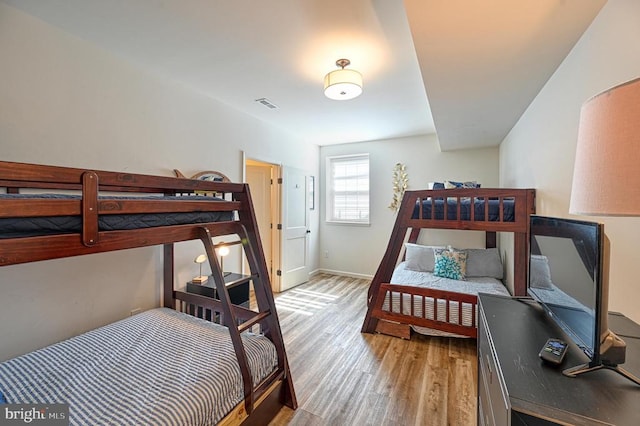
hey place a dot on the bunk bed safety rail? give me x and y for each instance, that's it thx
(471, 208)
(15, 176)
(445, 310)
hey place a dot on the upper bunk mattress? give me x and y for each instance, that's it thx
(465, 209)
(157, 367)
(52, 225)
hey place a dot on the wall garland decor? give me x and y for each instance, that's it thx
(400, 184)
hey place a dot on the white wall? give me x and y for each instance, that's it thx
(66, 102)
(357, 250)
(539, 152)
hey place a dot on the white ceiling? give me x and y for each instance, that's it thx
(481, 61)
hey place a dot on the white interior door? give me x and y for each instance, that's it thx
(295, 229)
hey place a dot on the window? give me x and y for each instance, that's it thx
(348, 189)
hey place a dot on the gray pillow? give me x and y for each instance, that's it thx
(484, 263)
(420, 258)
(540, 275)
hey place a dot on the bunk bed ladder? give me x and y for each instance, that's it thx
(266, 317)
(229, 318)
(262, 287)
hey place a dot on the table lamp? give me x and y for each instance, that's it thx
(606, 175)
(200, 259)
(223, 250)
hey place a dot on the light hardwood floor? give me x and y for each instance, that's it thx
(344, 377)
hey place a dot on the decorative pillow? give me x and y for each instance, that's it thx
(420, 258)
(450, 263)
(435, 185)
(450, 184)
(484, 263)
(539, 272)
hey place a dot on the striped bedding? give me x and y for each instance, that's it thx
(475, 285)
(160, 367)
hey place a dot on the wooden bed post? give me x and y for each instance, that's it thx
(521, 247)
(389, 261)
(520, 264)
(490, 239)
(167, 294)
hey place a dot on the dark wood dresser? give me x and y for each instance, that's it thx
(515, 387)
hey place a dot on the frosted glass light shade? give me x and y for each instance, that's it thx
(223, 251)
(343, 84)
(606, 175)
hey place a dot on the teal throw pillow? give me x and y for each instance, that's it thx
(450, 263)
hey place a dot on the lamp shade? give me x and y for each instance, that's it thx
(606, 175)
(223, 251)
(343, 84)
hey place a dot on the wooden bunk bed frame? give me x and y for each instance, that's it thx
(410, 220)
(261, 400)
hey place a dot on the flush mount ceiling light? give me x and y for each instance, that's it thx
(342, 84)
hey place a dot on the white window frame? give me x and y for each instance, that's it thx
(360, 196)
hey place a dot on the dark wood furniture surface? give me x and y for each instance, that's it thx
(407, 228)
(237, 286)
(516, 387)
(261, 399)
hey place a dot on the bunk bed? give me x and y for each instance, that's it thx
(242, 373)
(396, 309)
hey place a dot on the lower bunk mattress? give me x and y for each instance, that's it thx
(475, 285)
(158, 367)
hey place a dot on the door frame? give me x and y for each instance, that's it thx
(275, 208)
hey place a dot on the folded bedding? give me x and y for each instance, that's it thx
(52, 225)
(157, 367)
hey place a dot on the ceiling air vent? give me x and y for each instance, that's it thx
(266, 102)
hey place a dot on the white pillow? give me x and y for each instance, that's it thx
(484, 263)
(420, 258)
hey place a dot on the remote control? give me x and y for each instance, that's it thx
(553, 351)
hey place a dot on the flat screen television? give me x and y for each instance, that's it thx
(568, 276)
